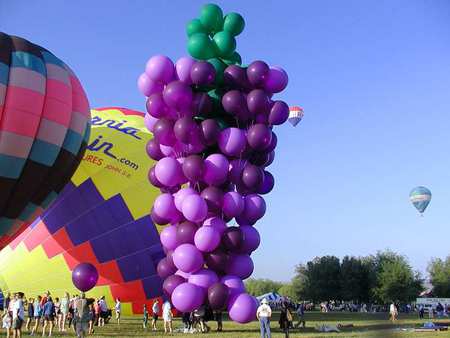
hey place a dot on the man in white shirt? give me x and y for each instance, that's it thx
(263, 314)
(18, 314)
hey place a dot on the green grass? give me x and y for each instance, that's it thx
(365, 325)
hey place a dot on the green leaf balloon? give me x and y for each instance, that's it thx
(195, 26)
(234, 23)
(200, 46)
(212, 17)
(225, 43)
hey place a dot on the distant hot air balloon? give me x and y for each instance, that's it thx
(295, 115)
(44, 126)
(101, 217)
(420, 197)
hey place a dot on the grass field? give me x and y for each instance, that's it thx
(365, 325)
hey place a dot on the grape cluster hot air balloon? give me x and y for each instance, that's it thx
(44, 127)
(213, 123)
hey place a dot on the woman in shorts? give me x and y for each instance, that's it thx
(64, 311)
(30, 311)
(37, 314)
(49, 316)
(155, 312)
(167, 317)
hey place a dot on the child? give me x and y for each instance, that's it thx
(118, 308)
(144, 324)
(7, 322)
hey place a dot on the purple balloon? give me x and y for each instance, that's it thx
(181, 195)
(163, 132)
(240, 265)
(184, 128)
(262, 118)
(156, 106)
(210, 131)
(193, 168)
(168, 171)
(203, 278)
(152, 178)
(279, 113)
(242, 309)
(160, 68)
(276, 80)
(150, 122)
(233, 102)
(218, 294)
(267, 184)
(232, 141)
(183, 69)
(202, 104)
(233, 204)
(153, 150)
(187, 297)
(164, 206)
(157, 219)
(203, 73)
(235, 285)
(84, 276)
(217, 260)
(258, 102)
(168, 237)
(273, 143)
(147, 86)
(254, 208)
(180, 273)
(251, 239)
(186, 232)
(194, 208)
(232, 238)
(207, 239)
(235, 170)
(236, 77)
(171, 282)
(165, 268)
(178, 95)
(259, 136)
(216, 169)
(252, 176)
(257, 72)
(271, 158)
(214, 198)
(188, 258)
(217, 223)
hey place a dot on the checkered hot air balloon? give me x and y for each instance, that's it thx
(44, 126)
(420, 197)
(295, 115)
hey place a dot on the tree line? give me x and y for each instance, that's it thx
(377, 279)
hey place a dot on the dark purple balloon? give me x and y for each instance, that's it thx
(273, 143)
(184, 128)
(163, 132)
(216, 260)
(193, 168)
(279, 113)
(233, 102)
(178, 95)
(235, 170)
(236, 77)
(218, 295)
(214, 198)
(271, 158)
(186, 232)
(258, 102)
(153, 150)
(251, 239)
(259, 136)
(252, 176)
(203, 73)
(202, 104)
(267, 184)
(156, 106)
(157, 219)
(210, 131)
(232, 238)
(165, 268)
(240, 265)
(257, 73)
(84, 276)
(152, 178)
(171, 282)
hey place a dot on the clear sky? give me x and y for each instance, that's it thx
(373, 77)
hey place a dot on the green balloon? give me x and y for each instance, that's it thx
(234, 23)
(212, 17)
(195, 26)
(234, 59)
(219, 67)
(200, 46)
(225, 43)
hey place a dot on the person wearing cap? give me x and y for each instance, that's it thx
(263, 313)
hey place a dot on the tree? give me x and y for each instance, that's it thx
(288, 290)
(354, 280)
(258, 287)
(396, 280)
(439, 271)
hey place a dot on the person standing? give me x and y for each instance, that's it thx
(7, 322)
(301, 315)
(118, 310)
(421, 311)
(37, 314)
(64, 311)
(30, 313)
(263, 313)
(49, 316)
(145, 318)
(155, 312)
(6, 301)
(103, 311)
(18, 315)
(167, 316)
(81, 316)
(58, 314)
(393, 312)
(218, 315)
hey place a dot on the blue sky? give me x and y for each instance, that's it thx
(373, 77)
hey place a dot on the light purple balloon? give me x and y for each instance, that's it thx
(203, 278)
(233, 204)
(181, 195)
(183, 69)
(164, 207)
(168, 171)
(187, 297)
(216, 169)
(168, 237)
(242, 309)
(150, 121)
(216, 223)
(187, 258)
(254, 208)
(251, 239)
(234, 284)
(207, 238)
(276, 80)
(147, 86)
(160, 68)
(194, 208)
(240, 266)
(183, 274)
(232, 141)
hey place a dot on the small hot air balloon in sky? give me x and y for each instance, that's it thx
(295, 115)
(44, 128)
(420, 197)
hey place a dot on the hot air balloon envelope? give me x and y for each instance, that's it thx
(420, 197)
(295, 115)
